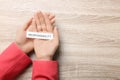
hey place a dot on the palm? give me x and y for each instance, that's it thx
(45, 47)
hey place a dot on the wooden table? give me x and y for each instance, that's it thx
(89, 31)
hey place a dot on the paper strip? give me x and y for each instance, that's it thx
(39, 35)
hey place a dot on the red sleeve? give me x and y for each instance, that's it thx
(45, 70)
(12, 62)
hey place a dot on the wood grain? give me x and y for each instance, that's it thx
(89, 35)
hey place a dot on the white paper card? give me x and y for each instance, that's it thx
(39, 35)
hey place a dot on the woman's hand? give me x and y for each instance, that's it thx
(45, 49)
(26, 44)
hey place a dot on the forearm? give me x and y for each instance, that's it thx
(45, 70)
(12, 62)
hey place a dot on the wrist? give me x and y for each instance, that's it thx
(21, 47)
(45, 58)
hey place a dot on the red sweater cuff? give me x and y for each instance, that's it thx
(12, 62)
(45, 70)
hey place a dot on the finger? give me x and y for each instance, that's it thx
(30, 28)
(48, 23)
(52, 21)
(33, 26)
(56, 34)
(48, 14)
(37, 22)
(25, 27)
(42, 21)
(51, 17)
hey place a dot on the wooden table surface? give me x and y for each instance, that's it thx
(89, 35)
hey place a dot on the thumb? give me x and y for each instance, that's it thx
(27, 24)
(56, 34)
